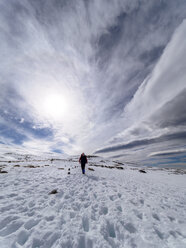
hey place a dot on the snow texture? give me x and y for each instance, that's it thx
(107, 207)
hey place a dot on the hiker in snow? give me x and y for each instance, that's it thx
(83, 160)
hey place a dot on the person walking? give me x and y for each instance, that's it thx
(83, 160)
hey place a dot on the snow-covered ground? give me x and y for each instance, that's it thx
(107, 207)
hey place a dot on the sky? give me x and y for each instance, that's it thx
(103, 77)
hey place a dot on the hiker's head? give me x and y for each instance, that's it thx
(83, 154)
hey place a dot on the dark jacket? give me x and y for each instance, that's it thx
(83, 159)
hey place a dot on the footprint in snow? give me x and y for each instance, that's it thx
(156, 217)
(108, 230)
(31, 204)
(160, 234)
(130, 228)
(12, 195)
(52, 202)
(23, 209)
(113, 197)
(72, 215)
(173, 234)
(51, 239)
(37, 243)
(31, 223)
(171, 218)
(119, 195)
(7, 220)
(103, 210)
(133, 202)
(83, 242)
(11, 228)
(30, 213)
(49, 218)
(119, 208)
(138, 214)
(7, 208)
(67, 196)
(85, 223)
(87, 204)
(22, 237)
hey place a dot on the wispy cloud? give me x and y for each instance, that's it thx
(158, 107)
(145, 142)
(168, 152)
(86, 74)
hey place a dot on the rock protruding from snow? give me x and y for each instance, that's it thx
(54, 191)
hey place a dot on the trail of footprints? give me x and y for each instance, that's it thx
(83, 202)
(69, 203)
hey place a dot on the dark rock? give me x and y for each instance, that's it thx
(54, 191)
(119, 163)
(119, 168)
(69, 173)
(142, 171)
(91, 169)
(30, 166)
(3, 171)
(16, 165)
(91, 156)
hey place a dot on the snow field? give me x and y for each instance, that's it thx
(104, 208)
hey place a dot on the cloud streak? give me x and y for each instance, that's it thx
(144, 142)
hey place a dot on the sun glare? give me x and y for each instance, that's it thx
(55, 106)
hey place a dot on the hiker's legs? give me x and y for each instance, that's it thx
(83, 168)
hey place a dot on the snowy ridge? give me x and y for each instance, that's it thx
(106, 207)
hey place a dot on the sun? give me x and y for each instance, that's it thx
(55, 106)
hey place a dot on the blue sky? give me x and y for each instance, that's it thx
(94, 76)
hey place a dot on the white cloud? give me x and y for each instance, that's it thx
(167, 80)
(167, 152)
